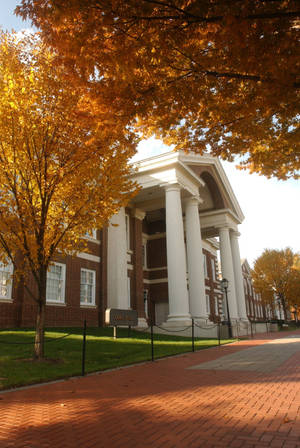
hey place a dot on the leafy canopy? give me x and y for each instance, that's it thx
(201, 74)
(277, 272)
(63, 162)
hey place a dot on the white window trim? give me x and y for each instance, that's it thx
(205, 266)
(207, 301)
(144, 253)
(129, 292)
(93, 303)
(92, 236)
(216, 306)
(127, 226)
(10, 269)
(63, 301)
(213, 269)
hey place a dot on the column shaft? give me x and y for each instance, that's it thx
(117, 283)
(227, 270)
(176, 259)
(195, 260)
(238, 276)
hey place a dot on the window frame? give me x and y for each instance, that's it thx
(129, 292)
(205, 266)
(93, 303)
(207, 302)
(7, 268)
(213, 269)
(63, 301)
(92, 236)
(127, 228)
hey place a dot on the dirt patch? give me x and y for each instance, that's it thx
(42, 361)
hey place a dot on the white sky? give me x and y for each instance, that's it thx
(271, 207)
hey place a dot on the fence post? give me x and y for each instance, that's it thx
(251, 328)
(152, 343)
(129, 330)
(83, 349)
(219, 333)
(193, 336)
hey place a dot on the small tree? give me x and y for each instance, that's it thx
(63, 167)
(276, 274)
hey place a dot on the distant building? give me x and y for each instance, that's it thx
(256, 310)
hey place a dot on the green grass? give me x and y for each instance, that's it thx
(64, 355)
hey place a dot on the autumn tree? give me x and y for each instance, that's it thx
(63, 164)
(276, 274)
(203, 75)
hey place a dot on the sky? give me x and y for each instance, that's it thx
(271, 207)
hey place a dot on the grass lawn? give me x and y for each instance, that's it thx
(64, 354)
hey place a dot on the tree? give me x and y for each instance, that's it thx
(63, 167)
(203, 75)
(276, 274)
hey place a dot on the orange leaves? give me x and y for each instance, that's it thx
(277, 272)
(170, 61)
(63, 158)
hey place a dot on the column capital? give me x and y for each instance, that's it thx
(223, 228)
(235, 233)
(193, 200)
(138, 214)
(172, 187)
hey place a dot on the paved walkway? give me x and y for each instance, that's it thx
(211, 398)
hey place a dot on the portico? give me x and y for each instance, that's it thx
(184, 200)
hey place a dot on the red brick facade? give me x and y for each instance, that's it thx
(147, 271)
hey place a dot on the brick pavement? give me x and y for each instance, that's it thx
(163, 404)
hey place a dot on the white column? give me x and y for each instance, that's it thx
(195, 260)
(227, 270)
(238, 275)
(178, 294)
(117, 282)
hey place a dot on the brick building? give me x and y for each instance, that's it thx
(256, 311)
(158, 255)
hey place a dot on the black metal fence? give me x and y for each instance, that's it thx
(241, 329)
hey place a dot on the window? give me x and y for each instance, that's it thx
(129, 292)
(213, 269)
(127, 223)
(91, 234)
(146, 302)
(144, 255)
(87, 287)
(56, 280)
(216, 306)
(205, 266)
(5, 281)
(224, 310)
(207, 303)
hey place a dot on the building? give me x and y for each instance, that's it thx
(256, 310)
(159, 255)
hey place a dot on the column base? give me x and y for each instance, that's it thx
(142, 322)
(178, 321)
(202, 320)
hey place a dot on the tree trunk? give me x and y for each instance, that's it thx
(40, 318)
(282, 299)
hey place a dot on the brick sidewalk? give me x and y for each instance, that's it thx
(163, 404)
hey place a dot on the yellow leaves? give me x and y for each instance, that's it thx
(63, 159)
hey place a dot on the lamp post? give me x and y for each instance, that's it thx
(224, 287)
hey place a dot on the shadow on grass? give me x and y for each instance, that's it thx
(63, 352)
